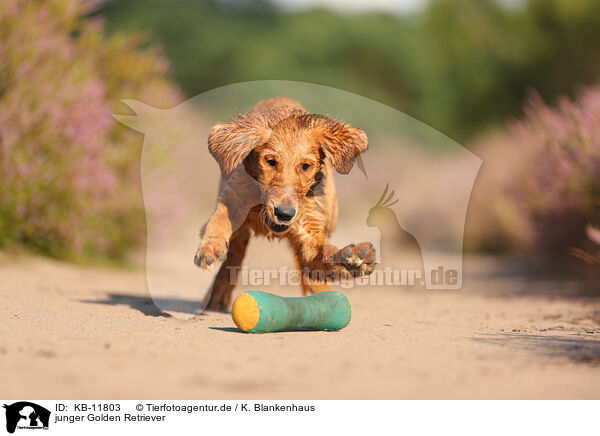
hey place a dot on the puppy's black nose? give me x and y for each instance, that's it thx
(284, 213)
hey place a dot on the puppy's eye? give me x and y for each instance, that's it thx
(272, 162)
(305, 166)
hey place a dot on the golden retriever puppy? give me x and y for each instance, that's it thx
(277, 180)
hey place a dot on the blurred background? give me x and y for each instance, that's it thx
(514, 81)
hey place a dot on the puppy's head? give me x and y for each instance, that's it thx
(284, 150)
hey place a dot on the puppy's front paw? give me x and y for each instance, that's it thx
(358, 259)
(210, 251)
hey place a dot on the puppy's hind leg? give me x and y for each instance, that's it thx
(311, 283)
(227, 276)
(310, 286)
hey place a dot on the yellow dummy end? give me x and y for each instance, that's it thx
(245, 312)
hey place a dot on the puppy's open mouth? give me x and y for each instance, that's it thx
(277, 228)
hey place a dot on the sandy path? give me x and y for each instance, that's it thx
(73, 332)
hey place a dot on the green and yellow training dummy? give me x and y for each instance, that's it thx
(261, 312)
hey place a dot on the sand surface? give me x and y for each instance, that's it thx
(93, 333)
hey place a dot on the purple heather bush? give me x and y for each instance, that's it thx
(539, 189)
(559, 191)
(69, 173)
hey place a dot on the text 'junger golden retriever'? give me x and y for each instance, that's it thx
(277, 180)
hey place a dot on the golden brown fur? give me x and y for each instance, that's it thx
(277, 163)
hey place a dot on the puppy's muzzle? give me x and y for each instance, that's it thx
(284, 213)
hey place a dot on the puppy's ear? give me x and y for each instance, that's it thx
(230, 143)
(340, 142)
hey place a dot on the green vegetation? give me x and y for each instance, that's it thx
(461, 66)
(70, 174)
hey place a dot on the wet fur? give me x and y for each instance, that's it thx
(277, 153)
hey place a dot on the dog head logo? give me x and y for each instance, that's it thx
(26, 415)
